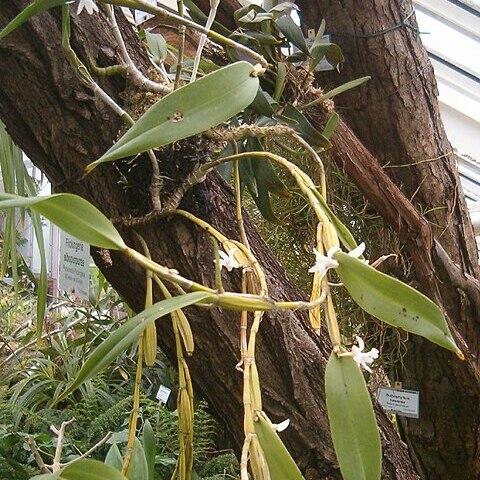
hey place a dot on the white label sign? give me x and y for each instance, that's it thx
(402, 402)
(163, 394)
(74, 272)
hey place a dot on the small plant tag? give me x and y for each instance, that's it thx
(163, 394)
(74, 275)
(399, 401)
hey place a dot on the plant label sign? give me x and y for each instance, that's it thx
(163, 394)
(74, 275)
(399, 401)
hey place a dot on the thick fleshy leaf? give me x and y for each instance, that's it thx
(264, 104)
(190, 110)
(280, 80)
(292, 32)
(394, 302)
(150, 448)
(266, 181)
(331, 125)
(114, 457)
(139, 465)
(36, 7)
(157, 45)
(124, 336)
(336, 91)
(88, 469)
(303, 126)
(352, 421)
(284, 7)
(331, 51)
(85, 469)
(241, 12)
(72, 214)
(42, 284)
(47, 476)
(280, 463)
(265, 174)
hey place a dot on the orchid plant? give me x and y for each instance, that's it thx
(187, 108)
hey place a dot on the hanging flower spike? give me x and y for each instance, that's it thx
(229, 261)
(364, 359)
(89, 5)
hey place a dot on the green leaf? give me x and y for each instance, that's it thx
(150, 448)
(241, 12)
(124, 336)
(343, 88)
(36, 7)
(331, 51)
(394, 302)
(157, 45)
(264, 104)
(265, 175)
(85, 469)
(42, 285)
(284, 7)
(331, 125)
(72, 214)
(293, 33)
(280, 80)
(190, 110)
(262, 38)
(247, 177)
(114, 457)
(303, 126)
(336, 91)
(139, 465)
(251, 19)
(280, 464)
(88, 469)
(266, 180)
(46, 476)
(352, 420)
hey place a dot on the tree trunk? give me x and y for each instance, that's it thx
(62, 127)
(396, 116)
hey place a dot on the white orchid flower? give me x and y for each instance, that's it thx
(280, 427)
(358, 251)
(89, 5)
(324, 263)
(364, 359)
(229, 261)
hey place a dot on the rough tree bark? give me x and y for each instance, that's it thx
(397, 118)
(62, 127)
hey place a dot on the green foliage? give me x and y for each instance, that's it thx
(188, 111)
(72, 214)
(394, 302)
(16, 180)
(352, 420)
(128, 333)
(221, 467)
(280, 464)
